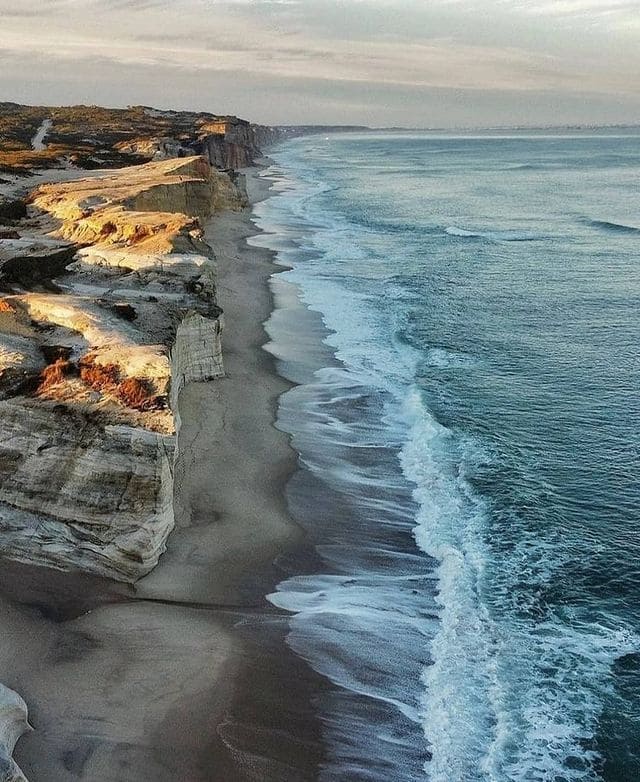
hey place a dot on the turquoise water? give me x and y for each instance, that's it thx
(470, 464)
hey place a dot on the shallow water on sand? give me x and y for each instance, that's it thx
(469, 437)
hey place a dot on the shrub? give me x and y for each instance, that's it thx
(133, 392)
(136, 393)
(100, 377)
(54, 373)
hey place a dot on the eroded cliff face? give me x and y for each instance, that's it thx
(93, 137)
(77, 493)
(228, 143)
(92, 361)
(232, 143)
(158, 207)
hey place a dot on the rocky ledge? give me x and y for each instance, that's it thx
(108, 307)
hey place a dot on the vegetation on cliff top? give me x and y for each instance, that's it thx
(96, 137)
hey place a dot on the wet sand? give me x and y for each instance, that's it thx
(185, 676)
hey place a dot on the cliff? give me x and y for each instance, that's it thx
(93, 137)
(151, 207)
(232, 143)
(107, 310)
(115, 312)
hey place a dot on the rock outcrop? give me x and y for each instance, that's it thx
(152, 207)
(110, 310)
(77, 493)
(13, 724)
(155, 148)
(192, 360)
(12, 209)
(232, 143)
(93, 137)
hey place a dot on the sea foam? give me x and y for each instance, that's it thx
(456, 635)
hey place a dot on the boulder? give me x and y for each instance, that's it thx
(13, 724)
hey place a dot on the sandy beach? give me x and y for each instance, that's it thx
(180, 677)
(319, 412)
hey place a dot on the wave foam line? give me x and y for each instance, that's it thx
(509, 697)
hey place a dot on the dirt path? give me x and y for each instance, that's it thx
(37, 142)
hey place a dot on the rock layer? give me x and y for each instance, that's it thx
(192, 359)
(150, 207)
(78, 493)
(96, 348)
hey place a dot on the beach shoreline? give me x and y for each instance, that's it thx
(182, 676)
(239, 446)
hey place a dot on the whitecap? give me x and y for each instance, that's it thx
(494, 236)
(440, 358)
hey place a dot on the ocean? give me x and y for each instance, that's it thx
(460, 315)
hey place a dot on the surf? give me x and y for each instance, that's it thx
(437, 608)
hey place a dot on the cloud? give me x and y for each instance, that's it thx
(502, 46)
(589, 8)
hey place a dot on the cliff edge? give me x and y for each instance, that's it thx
(108, 308)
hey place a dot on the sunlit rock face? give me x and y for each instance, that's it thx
(109, 308)
(158, 207)
(228, 143)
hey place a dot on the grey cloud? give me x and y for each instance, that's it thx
(357, 59)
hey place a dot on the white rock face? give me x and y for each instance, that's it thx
(196, 355)
(75, 494)
(13, 724)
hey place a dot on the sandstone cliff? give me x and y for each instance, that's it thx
(228, 144)
(109, 307)
(151, 207)
(93, 137)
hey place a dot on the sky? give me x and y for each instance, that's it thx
(415, 63)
